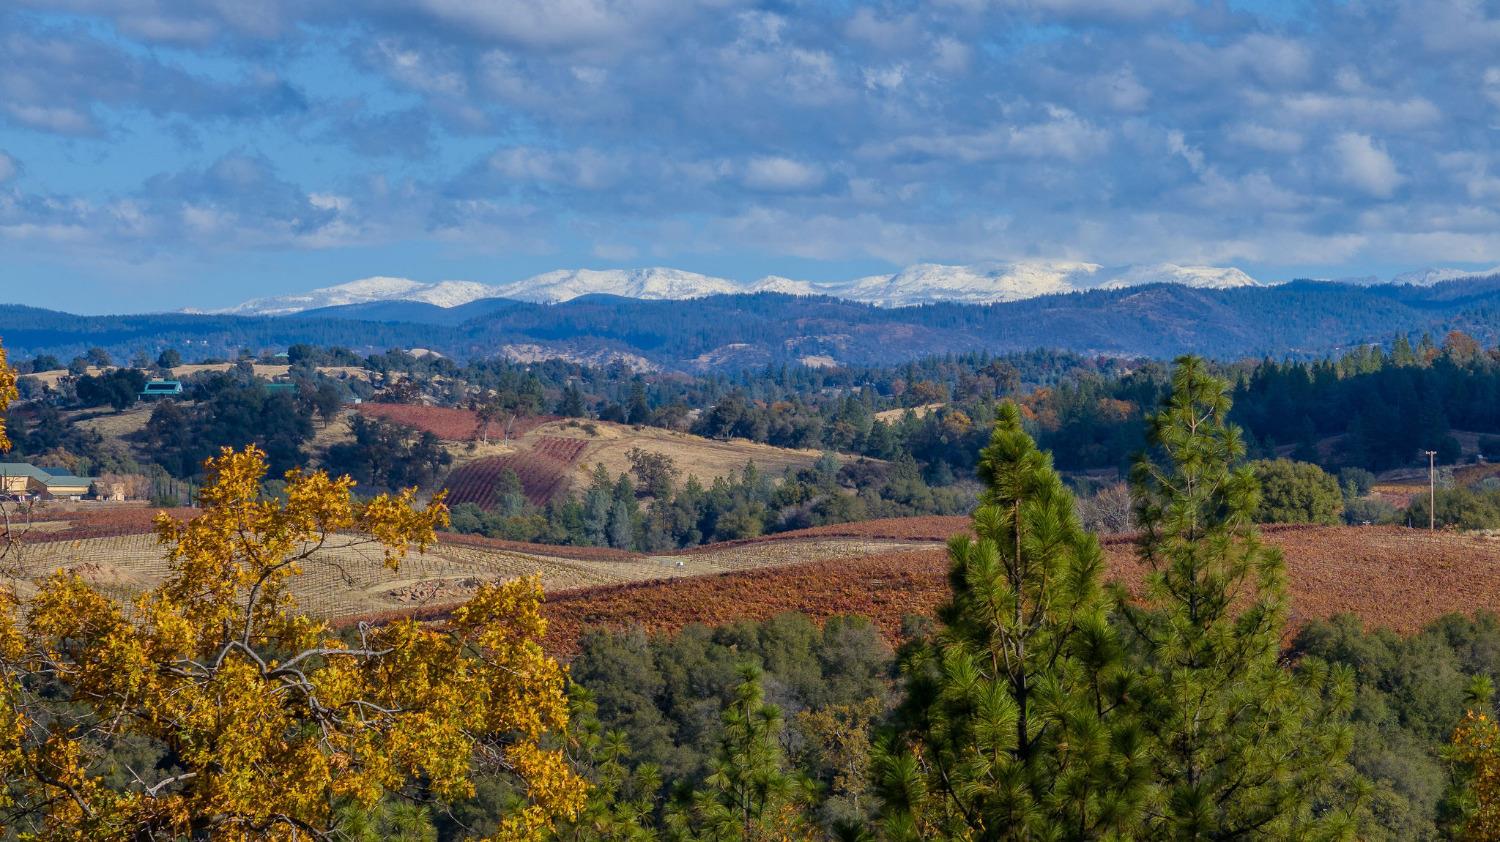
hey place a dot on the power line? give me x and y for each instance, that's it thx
(1431, 489)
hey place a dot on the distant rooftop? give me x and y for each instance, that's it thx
(46, 476)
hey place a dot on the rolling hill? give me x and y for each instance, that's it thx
(884, 569)
(726, 332)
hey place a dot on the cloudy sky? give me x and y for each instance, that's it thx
(164, 153)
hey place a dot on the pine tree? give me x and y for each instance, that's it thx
(621, 798)
(571, 403)
(1012, 727)
(749, 794)
(638, 411)
(1243, 747)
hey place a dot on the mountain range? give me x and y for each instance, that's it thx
(923, 283)
(1299, 319)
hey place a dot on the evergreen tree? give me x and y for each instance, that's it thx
(1012, 727)
(622, 526)
(621, 799)
(638, 411)
(749, 794)
(571, 404)
(1243, 747)
(597, 503)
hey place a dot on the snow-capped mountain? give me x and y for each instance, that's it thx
(986, 283)
(364, 291)
(1202, 277)
(922, 283)
(655, 283)
(1428, 277)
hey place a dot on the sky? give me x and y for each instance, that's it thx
(158, 154)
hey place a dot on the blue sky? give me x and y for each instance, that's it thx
(156, 154)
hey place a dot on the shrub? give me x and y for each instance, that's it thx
(1296, 492)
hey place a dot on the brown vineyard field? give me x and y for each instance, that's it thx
(113, 548)
(883, 569)
(541, 478)
(1388, 576)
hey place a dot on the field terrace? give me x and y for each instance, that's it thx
(882, 569)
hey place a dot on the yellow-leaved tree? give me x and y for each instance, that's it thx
(1475, 751)
(210, 707)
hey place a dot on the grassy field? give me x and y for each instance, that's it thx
(707, 459)
(884, 569)
(556, 454)
(347, 580)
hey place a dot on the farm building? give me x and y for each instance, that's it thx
(161, 389)
(19, 478)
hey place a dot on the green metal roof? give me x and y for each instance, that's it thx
(45, 476)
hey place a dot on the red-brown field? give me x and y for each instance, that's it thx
(545, 469)
(443, 422)
(447, 423)
(96, 521)
(930, 528)
(883, 569)
(565, 451)
(1388, 576)
(542, 478)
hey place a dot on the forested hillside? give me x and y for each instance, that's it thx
(1301, 319)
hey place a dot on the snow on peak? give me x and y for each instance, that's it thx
(1428, 277)
(786, 286)
(922, 283)
(655, 283)
(1202, 277)
(361, 291)
(980, 283)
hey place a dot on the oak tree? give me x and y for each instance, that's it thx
(260, 721)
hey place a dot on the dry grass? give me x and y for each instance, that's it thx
(707, 459)
(348, 580)
(115, 425)
(890, 416)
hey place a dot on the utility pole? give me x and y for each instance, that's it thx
(1431, 490)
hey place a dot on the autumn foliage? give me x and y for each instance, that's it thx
(259, 722)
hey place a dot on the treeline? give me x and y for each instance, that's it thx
(650, 510)
(1372, 408)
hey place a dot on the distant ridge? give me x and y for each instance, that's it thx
(1300, 319)
(923, 283)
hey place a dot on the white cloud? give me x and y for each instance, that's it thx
(950, 55)
(8, 167)
(1264, 138)
(1177, 144)
(1123, 91)
(1384, 113)
(584, 168)
(776, 174)
(1365, 166)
